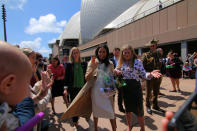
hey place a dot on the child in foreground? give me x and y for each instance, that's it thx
(15, 76)
(16, 72)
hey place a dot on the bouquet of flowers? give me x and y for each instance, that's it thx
(170, 66)
(109, 84)
(120, 81)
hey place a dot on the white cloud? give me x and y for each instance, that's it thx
(15, 4)
(44, 50)
(52, 40)
(36, 46)
(47, 23)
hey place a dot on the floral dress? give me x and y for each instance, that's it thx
(132, 92)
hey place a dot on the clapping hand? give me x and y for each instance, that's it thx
(46, 81)
(46, 84)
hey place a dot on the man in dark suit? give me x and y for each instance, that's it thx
(66, 99)
(114, 59)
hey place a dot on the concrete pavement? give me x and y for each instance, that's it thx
(170, 102)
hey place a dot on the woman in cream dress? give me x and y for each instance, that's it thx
(102, 106)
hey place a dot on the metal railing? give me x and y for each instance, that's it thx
(147, 12)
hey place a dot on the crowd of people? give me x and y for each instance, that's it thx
(28, 83)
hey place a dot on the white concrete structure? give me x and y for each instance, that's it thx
(99, 16)
(139, 10)
(96, 14)
(55, 49)
(72, 29)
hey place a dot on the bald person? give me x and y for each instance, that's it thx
(15, 75)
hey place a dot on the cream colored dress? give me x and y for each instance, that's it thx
(102, 106)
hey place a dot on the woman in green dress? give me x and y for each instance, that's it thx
(75, 77)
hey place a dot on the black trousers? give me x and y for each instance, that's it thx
(73, 93)
(120, 99)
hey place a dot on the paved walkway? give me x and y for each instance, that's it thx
(170, 102)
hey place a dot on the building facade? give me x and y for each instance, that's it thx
(172, 22)
(174, 26)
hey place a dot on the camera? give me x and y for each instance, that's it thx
(185, 119)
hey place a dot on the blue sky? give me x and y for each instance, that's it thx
(35, 23)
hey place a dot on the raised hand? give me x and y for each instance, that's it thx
(94, 63)
(46, 81)
(156, 73)
(46, 84)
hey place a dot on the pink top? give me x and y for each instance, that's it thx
(59, 71)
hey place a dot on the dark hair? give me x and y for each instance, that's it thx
(56, 58)
(106, 60)
(116, 48)
(175, 54)
(38, 56)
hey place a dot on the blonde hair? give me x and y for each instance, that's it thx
(27, 51)
(71, 58)
(122, 60)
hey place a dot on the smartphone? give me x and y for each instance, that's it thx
(186, 115)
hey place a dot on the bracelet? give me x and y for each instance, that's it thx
(151, 76)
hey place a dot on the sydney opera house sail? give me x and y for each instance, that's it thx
(72, 29)
(96, 14)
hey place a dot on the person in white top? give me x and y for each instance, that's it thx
(132, 71)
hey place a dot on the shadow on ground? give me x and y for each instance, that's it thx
(161, 88)
(122, 118)
(171, 97)
(165, 104)
(185, 93)
(149, 123)
(159, 112)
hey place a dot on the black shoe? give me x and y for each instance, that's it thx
(179, 91)
(172, 90)
(149, 111)
(158, 109)
(54, 113)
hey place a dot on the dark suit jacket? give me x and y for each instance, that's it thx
(69, 77)
(112, 59)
